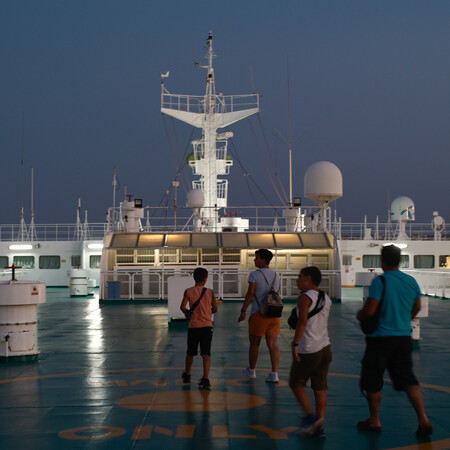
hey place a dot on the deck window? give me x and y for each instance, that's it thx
(444, 261)
(94, 261)
(189, 255)
(170, 256)
(4, 262)
(231, 255)
(75, 261)
(371, 261)
(320, 261)
(210, 256)
(124, 256)
(26, 262)
(346, 260)
(298, 261)
(49, 262)
(424, 261)
(404, 261)
(146, 256)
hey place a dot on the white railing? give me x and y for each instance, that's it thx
(432, 282)
(228, 283)
(54, 232)
(221, 103)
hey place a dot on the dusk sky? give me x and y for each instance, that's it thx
(80, 94)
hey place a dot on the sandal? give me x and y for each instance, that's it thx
(424, 431)
(366, 426)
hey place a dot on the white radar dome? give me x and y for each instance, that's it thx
(323, 182)
(195, 198)
(402, 209)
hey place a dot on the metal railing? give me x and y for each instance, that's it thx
(228, 283)
(220, 103)
(53, 232)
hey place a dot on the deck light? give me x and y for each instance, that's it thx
(97, 246)
(20, 247)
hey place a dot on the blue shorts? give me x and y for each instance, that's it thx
(202, 336)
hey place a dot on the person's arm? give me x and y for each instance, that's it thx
(303, 305)
(247, 300)
(214, 307)
(369, 309)
(416, 308)
(184, 303)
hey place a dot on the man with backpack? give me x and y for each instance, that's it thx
(396, 301)
(259, 284)
(311, 350)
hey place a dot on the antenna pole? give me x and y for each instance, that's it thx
(32, 192)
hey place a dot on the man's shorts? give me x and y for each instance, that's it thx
(202, 336)
(259, 325)
(392, 353)
(312, 366)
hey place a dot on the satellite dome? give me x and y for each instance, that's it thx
(323, 182)
(402, 209)
(195, 198)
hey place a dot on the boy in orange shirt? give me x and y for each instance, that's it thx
(200, 325)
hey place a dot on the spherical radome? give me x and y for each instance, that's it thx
(323, 182)
(402, 209)
(195, 198)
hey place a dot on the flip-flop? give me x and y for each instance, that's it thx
(365, 426)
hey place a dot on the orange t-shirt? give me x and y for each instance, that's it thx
(202, 315)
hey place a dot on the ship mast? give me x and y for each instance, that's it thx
(209, 159)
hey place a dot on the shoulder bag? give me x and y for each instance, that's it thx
(293, 318)
(368, 326)
(191, 310)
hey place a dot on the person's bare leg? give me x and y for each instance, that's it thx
(374, 401)
(189, 362)
(271, 341)
(321, 403)
(253, 352)
(415, 396)
(206, 365)
(302, 397)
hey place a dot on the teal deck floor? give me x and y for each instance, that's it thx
(106, 376)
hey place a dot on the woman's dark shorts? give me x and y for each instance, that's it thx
(392, 353)
(312, 366)
(202, 336)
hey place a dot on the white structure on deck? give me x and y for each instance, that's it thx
(209, 158)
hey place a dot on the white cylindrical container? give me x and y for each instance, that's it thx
(78, 282)
(90, 286)
(18, 317)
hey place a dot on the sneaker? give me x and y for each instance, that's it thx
(310, 424)
(249, 373)
(320, 432)
(272, 377)
(204, 383)
(186, 378)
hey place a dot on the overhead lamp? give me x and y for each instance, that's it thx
(95, 246)
(396, 244)
(20, 247)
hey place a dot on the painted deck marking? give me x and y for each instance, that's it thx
(221, 431)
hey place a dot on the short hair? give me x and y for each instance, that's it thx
(314, 273)
(200, 274)
(265, 254)
(391, 255)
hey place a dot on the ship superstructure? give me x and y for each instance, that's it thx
(210, 159)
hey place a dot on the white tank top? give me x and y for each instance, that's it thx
(315, 337)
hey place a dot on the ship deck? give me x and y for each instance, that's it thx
(108, 376)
